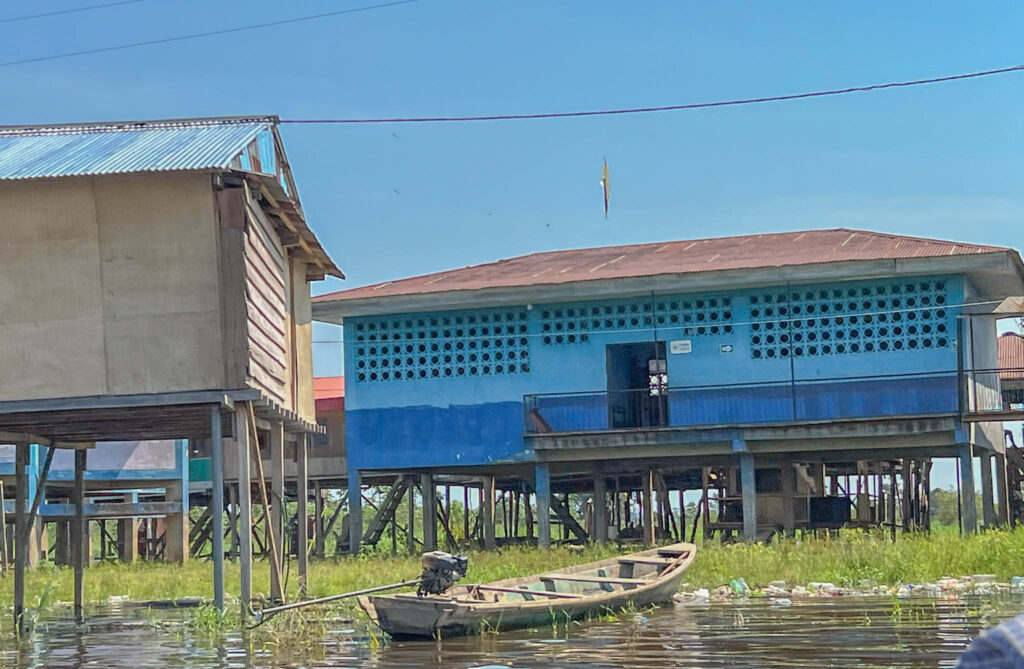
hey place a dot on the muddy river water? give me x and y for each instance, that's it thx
(828, 632)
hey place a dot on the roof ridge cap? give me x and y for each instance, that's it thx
(132, 126)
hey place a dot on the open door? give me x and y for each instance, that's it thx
(637, 385)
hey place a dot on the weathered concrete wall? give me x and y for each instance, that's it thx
(51, 299)
(108, 285)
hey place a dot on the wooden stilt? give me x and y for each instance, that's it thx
(528, 516)
(81, 533)
(244, 516)
(4, 548)
(410, 534)
(302, 515)
(319, 546)
(600, 510)
(277, 503)
(21, 460)
(465, 513)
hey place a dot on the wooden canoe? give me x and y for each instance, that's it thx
(640, 579)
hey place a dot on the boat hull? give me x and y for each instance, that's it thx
(411, 617)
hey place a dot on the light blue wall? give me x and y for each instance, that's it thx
(465, 411)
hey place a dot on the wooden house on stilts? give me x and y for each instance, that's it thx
(155, 285)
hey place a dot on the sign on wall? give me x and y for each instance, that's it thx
(680, 346)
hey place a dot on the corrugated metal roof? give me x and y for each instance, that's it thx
(1011, 355)
(36, 152)
(679, 257)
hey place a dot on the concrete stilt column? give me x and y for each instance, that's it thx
(748, 484)
(355, 512)
(487, 509)
(277, 503)
(429, 494)
(863, 505)
(1002, 493)
(128, 534)
(787, 479)
(542, 486)
(647, 491)
(988, 508)
(969, 511)
(600, 510)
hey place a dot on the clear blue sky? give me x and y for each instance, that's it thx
(392, 201)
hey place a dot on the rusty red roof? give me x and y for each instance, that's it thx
(326, 387)
(679, 257)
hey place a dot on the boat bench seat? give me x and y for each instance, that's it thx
(648, 560)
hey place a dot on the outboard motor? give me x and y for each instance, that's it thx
(440, 571)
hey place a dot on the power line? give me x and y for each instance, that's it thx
(225, 31)
(73, 10)
(647, 110)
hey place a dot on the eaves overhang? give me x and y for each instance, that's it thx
(996, 276)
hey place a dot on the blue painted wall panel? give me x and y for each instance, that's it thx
(453, 382)
(427, 436)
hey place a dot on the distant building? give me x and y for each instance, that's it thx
(764, 354)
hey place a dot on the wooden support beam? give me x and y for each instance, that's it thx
(80, 536)
(277, 503)
(242, 438)
(302, 520)
(216, 508)
(318, 521)
(600, 510)
(21, 461)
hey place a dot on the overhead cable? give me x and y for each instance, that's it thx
(211, 33)
(665, 108)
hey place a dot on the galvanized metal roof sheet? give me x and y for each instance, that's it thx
(37, 152)
(676, 257)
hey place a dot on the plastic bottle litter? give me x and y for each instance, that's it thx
(782, 601)
(739, 586)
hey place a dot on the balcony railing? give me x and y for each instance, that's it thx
(993, 391)
(773, 402)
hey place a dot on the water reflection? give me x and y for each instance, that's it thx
(840, 632)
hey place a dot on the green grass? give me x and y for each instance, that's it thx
(855, 557)
(848, 560)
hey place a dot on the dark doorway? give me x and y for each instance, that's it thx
(634, 398)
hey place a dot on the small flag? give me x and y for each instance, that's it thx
(605, 186)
